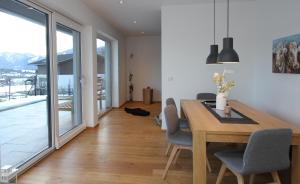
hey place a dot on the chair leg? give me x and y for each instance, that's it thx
(240, 178)
(171, 158)
(252, 176)
(221, 174)
(276, 177)
(176, 157)
(168, 149)
(208, 165)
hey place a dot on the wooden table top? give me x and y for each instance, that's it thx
(202, 120)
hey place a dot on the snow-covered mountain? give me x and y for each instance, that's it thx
(16, 61)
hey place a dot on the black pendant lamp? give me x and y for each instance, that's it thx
(214, 51)
(228, 54)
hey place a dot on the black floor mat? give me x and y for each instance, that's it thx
(137, 111)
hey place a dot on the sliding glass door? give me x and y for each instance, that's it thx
(25, 103)
(104, 95)
(40, 82)
(68, 86)
(68, 78)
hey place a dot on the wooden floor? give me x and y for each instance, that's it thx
(123, 149)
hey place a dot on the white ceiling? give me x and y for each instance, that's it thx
(146, 13)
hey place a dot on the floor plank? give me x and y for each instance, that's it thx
(123, 149)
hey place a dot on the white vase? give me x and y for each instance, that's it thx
(221, 101)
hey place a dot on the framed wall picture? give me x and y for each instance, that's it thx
(286, 55)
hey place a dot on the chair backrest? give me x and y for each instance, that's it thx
(206, 96)
(172, 119)
(170, 101)
(267, 151)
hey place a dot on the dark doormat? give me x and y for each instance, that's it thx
(137, 111)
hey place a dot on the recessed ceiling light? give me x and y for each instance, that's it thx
(142, 32)
(121, 1)
(135, 22)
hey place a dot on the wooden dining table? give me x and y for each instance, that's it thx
(206, 128)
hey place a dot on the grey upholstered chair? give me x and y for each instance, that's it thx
(267, 151)
(206, 96)
(183, 123)
(177, 137)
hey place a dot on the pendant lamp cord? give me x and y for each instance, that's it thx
(214, 22)
(227, 18)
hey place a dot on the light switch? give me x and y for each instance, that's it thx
(170, 79)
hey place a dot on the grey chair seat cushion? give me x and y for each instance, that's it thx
(232, 159)
(183, 123)
(181, 138)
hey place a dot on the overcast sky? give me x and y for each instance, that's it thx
(19, 35)
(22, 36)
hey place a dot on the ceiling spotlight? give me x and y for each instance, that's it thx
(135, 22)
(121, 1)
(142, 32)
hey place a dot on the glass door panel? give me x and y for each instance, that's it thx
(68, 78)
(104, 98)
(25, 126)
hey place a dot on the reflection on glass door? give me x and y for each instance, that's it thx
(104, 98)
(25, 129)
(68, 78)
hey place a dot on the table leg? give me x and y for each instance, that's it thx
(199, 157)
(296, 164)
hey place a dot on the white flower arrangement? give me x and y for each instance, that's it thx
(223, 85)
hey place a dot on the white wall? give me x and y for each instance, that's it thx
(187, 32)
(89, 104)
(93, 25)
(145, 65)
(277, 94)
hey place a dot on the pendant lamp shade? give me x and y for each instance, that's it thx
(228, 54)
(213, 56)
